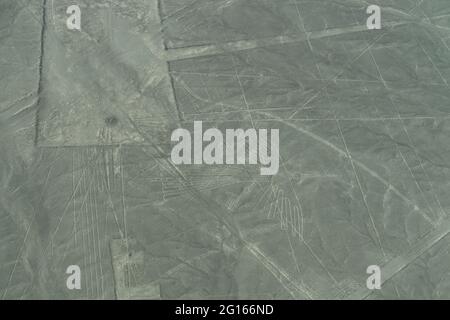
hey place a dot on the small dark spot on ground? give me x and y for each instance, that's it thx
(111, 121)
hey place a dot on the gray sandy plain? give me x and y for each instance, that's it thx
(85, 171)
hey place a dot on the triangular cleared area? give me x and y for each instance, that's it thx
(106, 84)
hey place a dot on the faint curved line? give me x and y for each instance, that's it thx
(343, 153)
